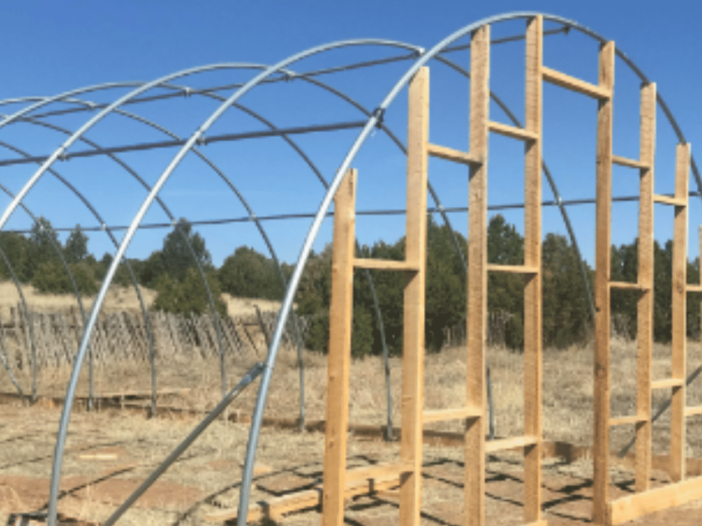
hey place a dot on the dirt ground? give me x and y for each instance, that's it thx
(110, 452)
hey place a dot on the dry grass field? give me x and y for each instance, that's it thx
(118, 299)
(111, 451)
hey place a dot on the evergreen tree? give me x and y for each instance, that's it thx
(44, 243)
(177, 257)
(188, 295)
(76, 248)
(51, 277)
(566, 316)
(248, 274)
(445, 293)
(505, 246)
(18, 250)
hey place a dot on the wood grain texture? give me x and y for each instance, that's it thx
(384, 264)
(476, 321)
(630, 163)
(626, 420)
(414, 295)
(667, 383)
(457, 156)
(521, 134)
(667, 200)
(602, 290)
(625, 285)
(630, 508)
(693, 410)
(513, 269)
(444, 415)
(338, 359)
(644, 307)
(503, 444)
(532, 259)
(360, 481)
(679, 315)
(600, 92)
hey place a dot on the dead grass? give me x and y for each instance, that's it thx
(212, 466)
(118, 299)
(567, 387)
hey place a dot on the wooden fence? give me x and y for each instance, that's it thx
(123, 336)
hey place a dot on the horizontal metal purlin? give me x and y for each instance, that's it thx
(303, 215)
(286, 78)
(207, 140)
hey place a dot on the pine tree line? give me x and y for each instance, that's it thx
(172, 271)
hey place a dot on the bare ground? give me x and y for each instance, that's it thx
(129, 446)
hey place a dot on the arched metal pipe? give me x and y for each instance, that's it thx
(8, 368)
(199, 134)
(194, 138)
(366, 134)
(374, 295)
(133, 279)
(285, 78)
(74, 286)
(28, 317)
(25, 307)
(171, 217)
(307, 246)
(446, 220)
(243, 201)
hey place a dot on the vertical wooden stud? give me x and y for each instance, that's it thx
(679, 329)
(532, 258)
(602, 277)
(413, 335)
(644, 333)
(339, 357)
(477, 277)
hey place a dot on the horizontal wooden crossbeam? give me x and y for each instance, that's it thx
(377, 471)
(449, 154)
(513, 269)
(639, 504)
(359, 481)
(384, 264)
(667, 383)
(693, 410)
(624, 420)
(631, 163)
(443, 415)
(627, 285)
(502, 444)
(667, 200)
(575, 84)
(694, 288)
(512, 131)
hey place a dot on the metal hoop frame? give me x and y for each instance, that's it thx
(266, 74)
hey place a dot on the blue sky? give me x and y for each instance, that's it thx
(55, 46)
